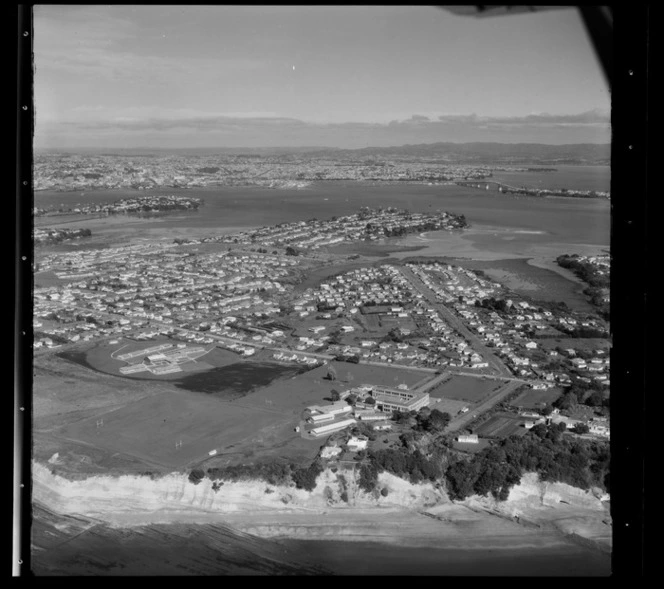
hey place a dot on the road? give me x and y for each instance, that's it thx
(476, 343)
(401, 366)
(491, 376)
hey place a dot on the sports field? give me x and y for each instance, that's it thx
(466, 388)
(533, 399)
(105, 357)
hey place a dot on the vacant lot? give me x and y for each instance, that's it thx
(532, 399)
(466, 388)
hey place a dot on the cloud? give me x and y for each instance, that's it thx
(592, 117)
(89, 42)
(189, 128)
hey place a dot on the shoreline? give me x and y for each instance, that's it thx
(412, 515)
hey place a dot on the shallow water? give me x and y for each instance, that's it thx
(371, 558)
(567, 219)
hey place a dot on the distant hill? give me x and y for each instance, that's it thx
(521, 153)
(474, 153)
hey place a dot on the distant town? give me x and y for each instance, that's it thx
(139, 205)
(68, 173)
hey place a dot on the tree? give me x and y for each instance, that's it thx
(438, 420)
(566, 401)
(331, 373)
(305, 478)
(546, 410)
(196, 476)
(540, 430)
(581, 428)
(370, 401)
(596, 399)
(335, 395)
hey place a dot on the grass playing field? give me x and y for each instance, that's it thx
(466, 388)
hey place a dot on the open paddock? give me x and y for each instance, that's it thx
(48, 278)
(302, 326)
(466, 388)
(150, 428)
(292, 395)
(390, 322)
(372, 323)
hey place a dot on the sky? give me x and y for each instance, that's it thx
(336, 76)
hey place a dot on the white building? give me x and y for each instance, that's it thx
(321, 418)
(357, 444)
(332, 409)
(332, 427)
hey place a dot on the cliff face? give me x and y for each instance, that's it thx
(531, 494)
(581, 515)
(128, 500)
(102, 496)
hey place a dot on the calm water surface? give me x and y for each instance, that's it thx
(369, 558)
(562, 219)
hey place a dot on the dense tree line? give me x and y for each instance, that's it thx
(493, 471)
(590, 394)
(274, 473)
(368, 479)
(353, 359)
(493, 304)
(584, 270)
(584, 332)
(413, 466)
(555, 457)
(305, 478)
(59, 235)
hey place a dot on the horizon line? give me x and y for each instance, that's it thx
(319, 147)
